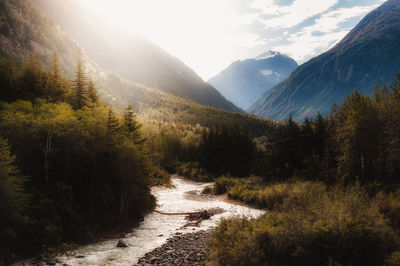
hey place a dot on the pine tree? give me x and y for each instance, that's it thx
(13, 198)
(80, 90)
(319, 135)
(132, 126)
(32, 80)
(92, 92)
(113, 125)
(57, 85)
(55, 68)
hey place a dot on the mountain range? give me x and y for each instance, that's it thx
(368, 55)
(245, 81)
(126, 67)
(184, 99)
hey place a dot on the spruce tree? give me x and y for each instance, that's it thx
(55, 67)
(113, 125)
(132, 126)
(13, 198)
(32, 82)
(92, 92)
(80, 90)
(56, 86)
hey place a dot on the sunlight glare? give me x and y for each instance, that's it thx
(199, 32)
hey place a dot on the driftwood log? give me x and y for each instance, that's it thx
(195, 218)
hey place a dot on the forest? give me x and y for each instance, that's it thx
(67, 160)
(331, 189)
(81, 148)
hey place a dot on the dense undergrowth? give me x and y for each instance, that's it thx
(307, 223)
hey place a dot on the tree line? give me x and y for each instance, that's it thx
(71, 167)
(358, 140)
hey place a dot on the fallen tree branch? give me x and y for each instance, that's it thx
(174, 213)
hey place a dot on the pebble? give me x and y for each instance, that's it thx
(181, 249)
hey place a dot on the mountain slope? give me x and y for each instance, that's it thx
(24, 29)
(131, 56)
(244, 82)
(367, 56)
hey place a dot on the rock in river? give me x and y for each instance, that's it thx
(122, 244)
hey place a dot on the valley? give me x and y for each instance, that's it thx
(114, 151)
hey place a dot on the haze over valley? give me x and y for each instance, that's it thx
(184, 132)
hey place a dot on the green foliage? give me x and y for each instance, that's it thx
(358, 141)
(315, 226)
(80, 93)
(13, 200)
(193, 171)
(132, 126)
(227, 150)
(224, 184)
(84, 168)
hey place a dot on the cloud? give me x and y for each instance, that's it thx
(325, 32)
(287, 16)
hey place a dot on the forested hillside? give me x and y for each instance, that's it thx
(69, 160)
(131, 56)
(366, 56)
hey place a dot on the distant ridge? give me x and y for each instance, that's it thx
(366, 56)
(245, 81)
(132, 57)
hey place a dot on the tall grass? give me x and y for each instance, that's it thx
(308, 224)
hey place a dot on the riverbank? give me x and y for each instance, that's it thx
(181, 249)
(184, 196)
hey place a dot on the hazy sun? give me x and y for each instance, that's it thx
(199, 32)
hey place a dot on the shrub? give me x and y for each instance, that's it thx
(193, 171)
(223, 184)
(312, 226)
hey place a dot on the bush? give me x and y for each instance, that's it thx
(312, 226)
(254, 192)
(224, 184)
(389, 205)
(193, 171)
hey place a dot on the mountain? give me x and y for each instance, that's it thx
(366, 56)
(244, 82)
(25, 29)
(131, 56)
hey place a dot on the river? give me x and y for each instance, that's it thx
(185, 196)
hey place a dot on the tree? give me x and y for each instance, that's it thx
(13, 198)
(92, 92)
(31, 84)
(80, 90)
(359, 137)
(56, 85)
(319, 135)
(392, 130)
(132, 126)
(113, 125)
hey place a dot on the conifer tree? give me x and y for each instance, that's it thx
(92, 92)
(113, 125)
(132, 126)
(13, 198)
(319, 135)
(33, 77)
(55, 67)
(80, 90)
(56, 86)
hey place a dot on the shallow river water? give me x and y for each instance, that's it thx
(185, 196)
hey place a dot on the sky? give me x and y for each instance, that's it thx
(208, 35)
